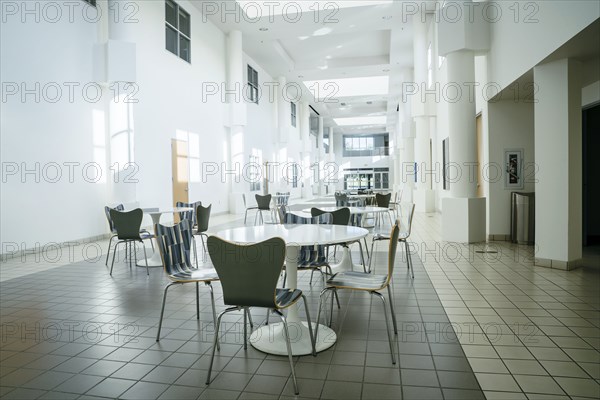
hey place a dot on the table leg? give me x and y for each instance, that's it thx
(271, 338)
(154, 260)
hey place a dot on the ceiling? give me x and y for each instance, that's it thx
(363, 41)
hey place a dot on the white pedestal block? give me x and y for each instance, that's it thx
(424, 200)
(463, 219)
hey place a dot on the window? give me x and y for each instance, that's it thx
(366, 146)
(91, 2)
(254, 175)
(253, 84)
(429, 66)
(295, 172)
(178, 30)
(293, 106)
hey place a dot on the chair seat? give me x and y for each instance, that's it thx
(195, 275)
(146, 235)
(381, 236)
(287, 297)
(357, 280)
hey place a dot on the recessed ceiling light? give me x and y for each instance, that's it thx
(263, 29)
(386, 70)
(322, 31)
(379, 120)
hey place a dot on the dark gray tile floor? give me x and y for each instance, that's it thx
(76, 332)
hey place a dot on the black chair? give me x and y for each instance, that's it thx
(127, 224)
(264, 204)
(403, 237)
(202, 219)
(253, 283)
(174, 244)
(352, 280)
(383, 200)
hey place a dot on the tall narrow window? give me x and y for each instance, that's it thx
(252, 85)
(429, 66)
(293, 107)
(178, 30)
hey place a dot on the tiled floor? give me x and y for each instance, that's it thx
(74, 332)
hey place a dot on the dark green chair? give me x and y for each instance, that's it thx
(202, 220)
(252, 282)
(127, 225)
(383, 200)
(352, 280)
(264, 204)
(111, 226)
(174, 244)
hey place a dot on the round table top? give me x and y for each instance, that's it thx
(166, 210)
(299, 235)
(353, 210)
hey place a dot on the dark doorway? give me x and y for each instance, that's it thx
(591, 175)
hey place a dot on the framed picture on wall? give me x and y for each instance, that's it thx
(513, 168)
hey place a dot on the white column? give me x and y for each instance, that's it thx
(305, 135)
(321, 154)
(463, 214)
(424, 196)
(408, 137)
(236, 119)
(558, 155)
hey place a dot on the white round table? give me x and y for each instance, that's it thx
(271, 338)
(354, 210)
(155, 213)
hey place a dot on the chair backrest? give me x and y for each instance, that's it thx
(406, 234)
(189, 215)
(203, 217)
(263, 202)
(127, 223)
(392, 250)
(383, 200)
(341, 199)
(244, 200)
(107, 209)
(248, 273)
(174, 244)
(338, 217)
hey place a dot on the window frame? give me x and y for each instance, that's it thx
(293, 112)
(178, 31)
(252, 80)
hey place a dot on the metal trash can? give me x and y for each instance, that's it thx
(522, 218)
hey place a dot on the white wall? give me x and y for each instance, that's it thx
(540, 28)
(45, 131)
(511, 126)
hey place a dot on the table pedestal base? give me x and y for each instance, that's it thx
(271, 338)
(346, 263)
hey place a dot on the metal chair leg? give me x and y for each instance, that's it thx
(387, 325)
(250, 319)
(162, 310)
(214, 309)
(409, 259)
(146, 257)
(372, 254)
(366, 246)
(362, 256)
(203, 244)
(310, 331)
(267, 321)
(331, 313)
(245, 328)
(289, 350)
(245, 216)
(109, 246)
(392, 309)
(319, 311)
(197, 300)
(114, 254)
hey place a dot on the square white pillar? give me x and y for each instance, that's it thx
(558, 155)
(424, 200)
(463, 219)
